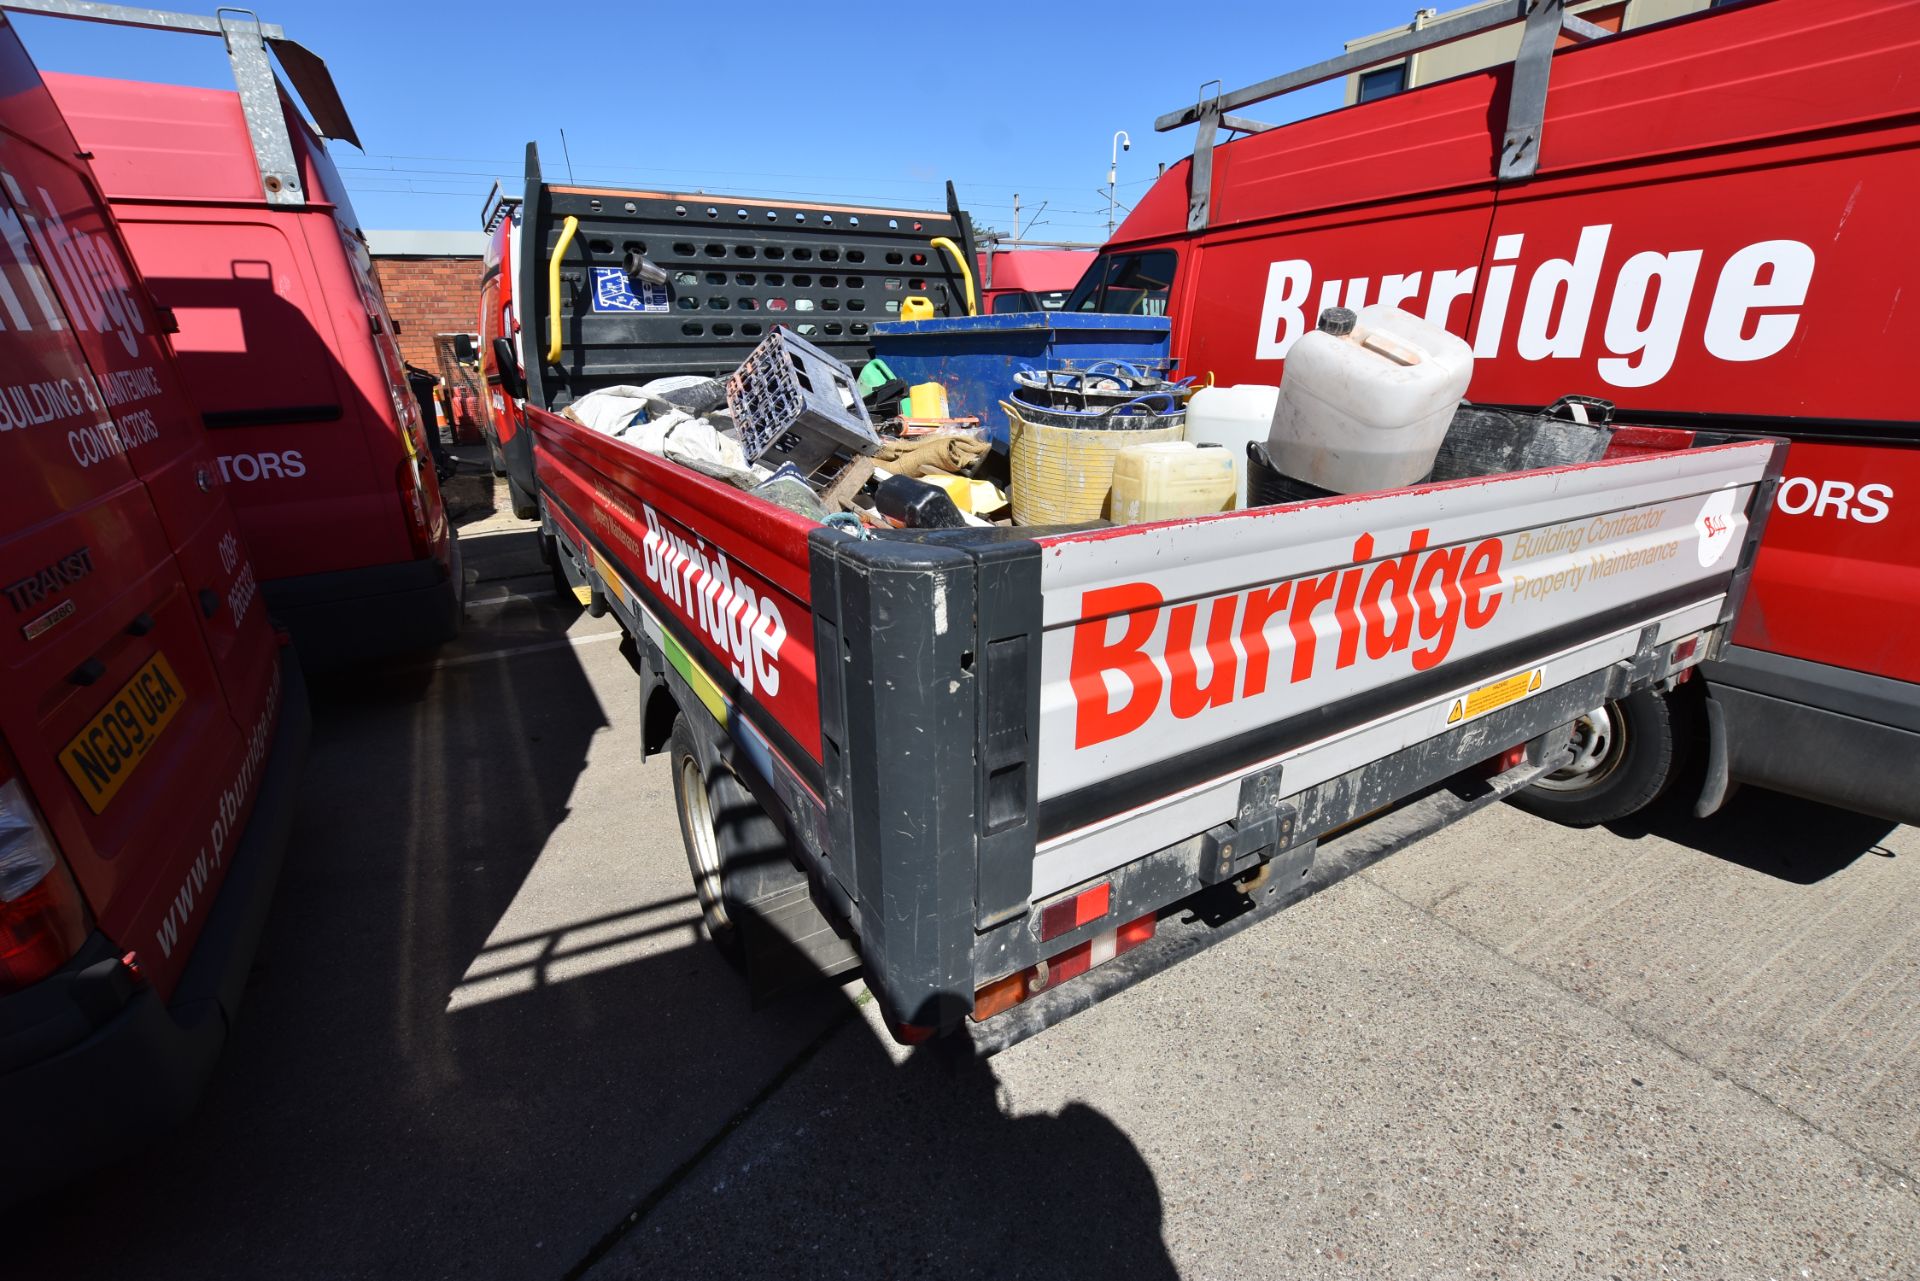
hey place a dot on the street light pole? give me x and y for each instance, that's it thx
(1120, 141)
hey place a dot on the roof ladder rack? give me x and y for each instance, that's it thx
(496, 206)
(247, 39)
(1526, 108)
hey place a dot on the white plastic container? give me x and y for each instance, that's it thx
(1367, 399)
(1170, 479)
(1232, 417)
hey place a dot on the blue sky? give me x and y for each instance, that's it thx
(719, 97)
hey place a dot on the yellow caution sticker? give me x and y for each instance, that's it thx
(1508, 689)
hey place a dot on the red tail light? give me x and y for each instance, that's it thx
(413, 479)
(43, 920)
(1002, 995)
(1070, 914)
(1512, 758)
(419, 489)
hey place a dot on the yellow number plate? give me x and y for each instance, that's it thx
(100, 757)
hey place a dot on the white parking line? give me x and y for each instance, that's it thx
(568, 643)
(506, 598)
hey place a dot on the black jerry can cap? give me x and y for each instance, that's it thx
(1338, 321)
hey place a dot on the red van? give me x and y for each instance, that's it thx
(1029, 279)
(286, 345)
(1708, 222)
(151, 724)
(501, 421)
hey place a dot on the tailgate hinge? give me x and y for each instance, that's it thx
(1262, 829)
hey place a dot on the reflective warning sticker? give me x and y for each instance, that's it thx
(611, 578)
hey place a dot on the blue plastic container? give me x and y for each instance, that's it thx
(976, 357)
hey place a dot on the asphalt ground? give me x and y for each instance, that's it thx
(484, 1038)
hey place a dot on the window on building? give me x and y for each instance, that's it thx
(1382, 82)
(1607, 17)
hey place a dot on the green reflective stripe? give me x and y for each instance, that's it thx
(703, 688)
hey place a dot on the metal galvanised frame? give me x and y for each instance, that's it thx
(1526, 107)
(247, 40)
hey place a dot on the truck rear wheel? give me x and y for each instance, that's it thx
(1626, 753)
(735, 850)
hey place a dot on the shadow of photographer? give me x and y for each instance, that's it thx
(865, 1159)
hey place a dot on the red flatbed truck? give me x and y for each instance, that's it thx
(152, 724)
(1708, 222)
(1011, 771)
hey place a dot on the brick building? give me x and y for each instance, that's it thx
(431, 280)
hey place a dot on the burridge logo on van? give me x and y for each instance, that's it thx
(1640, 308)
(32, 591)
(87, 273)
(746, 625)
(1414, 603)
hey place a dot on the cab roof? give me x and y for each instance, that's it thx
(1039, 270)
(173, 143)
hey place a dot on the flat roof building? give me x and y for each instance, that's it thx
(1492, 48)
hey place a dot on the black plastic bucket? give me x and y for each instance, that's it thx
(1267, 487)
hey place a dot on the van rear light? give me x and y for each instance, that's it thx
(1003, 994)
(43, 921)
(413, 506)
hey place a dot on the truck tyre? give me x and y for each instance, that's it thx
(735, 851)
(1627, 753)
(521, 501)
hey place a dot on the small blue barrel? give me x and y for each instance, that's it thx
(976, 357)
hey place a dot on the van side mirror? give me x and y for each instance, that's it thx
(464, 349)
(507, 365)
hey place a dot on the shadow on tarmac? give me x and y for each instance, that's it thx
(864, 1161)
(412, 1091)
(1777, 835)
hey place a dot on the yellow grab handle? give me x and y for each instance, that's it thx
(966, 270)
(567, 228)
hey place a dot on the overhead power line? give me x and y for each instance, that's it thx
(499, 165)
